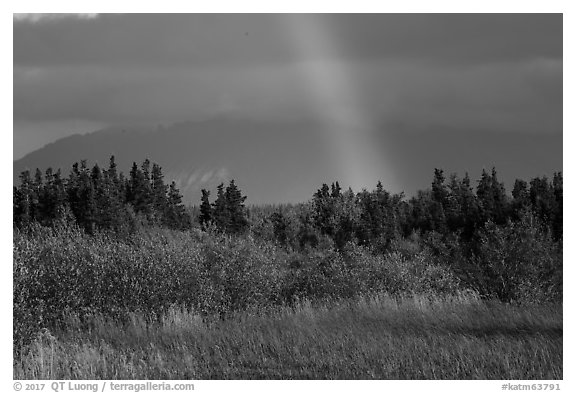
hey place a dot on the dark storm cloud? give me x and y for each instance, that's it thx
(199, 40)
(411, 72)
(152, 94)
(208, 40)
(504, 97)
(524, 97)
(451, 38)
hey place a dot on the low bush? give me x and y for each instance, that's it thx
(62, 269)
(519, 262)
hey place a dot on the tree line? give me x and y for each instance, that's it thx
(449, 206)
(98, 198)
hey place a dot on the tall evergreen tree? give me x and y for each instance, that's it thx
(53, 199)
(82, 196)
(470, 208)
(138, 190)
(114, 198)
(439, 191)
(159, 190)
(236, 210)
(205, 209)
(336, 190)
(220, 211)
(176, 216)
(454, 216)
(542, 199)
(557, 223)
(324, 213)
(440, 201)
(485, 197)
(520, 199)
(23, 200)
(501, 204)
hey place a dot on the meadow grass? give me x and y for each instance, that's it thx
(371, 337)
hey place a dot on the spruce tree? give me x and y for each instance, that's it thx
(324, 210)
(557, 223)
(520, 199)
(439, 191)
(159, 190)
(440, 201)
(205, 209)
(236, 209)
(500, 212)
(221, 215)
(175, 215)
(138, 190)
(454, 216)
(543, 199)
(113, 198)
(469, 206)
(485, 196)
(53, 198)
(23, 209)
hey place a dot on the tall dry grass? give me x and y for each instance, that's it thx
(380, 336)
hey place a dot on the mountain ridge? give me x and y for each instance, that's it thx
(199, 155)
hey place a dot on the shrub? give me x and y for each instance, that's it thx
(60, 270)
(520, 262)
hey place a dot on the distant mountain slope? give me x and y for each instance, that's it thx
(271, 163)
(287, 162)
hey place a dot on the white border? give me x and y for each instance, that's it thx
(323, 6)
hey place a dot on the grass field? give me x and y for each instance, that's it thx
(378, 337)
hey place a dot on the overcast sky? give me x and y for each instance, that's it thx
(382, 73)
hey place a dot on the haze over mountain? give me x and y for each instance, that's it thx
(288, 162)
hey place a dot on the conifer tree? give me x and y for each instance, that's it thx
(87, 213)
(102, 197)
(138, 190)
(146, 170)
(520, 199)
(470, 209)
(485, 196)
(23, 209)
(81, 196)
(112, 171)
(220, 212)
(16, 212)
(236, 209)
(557, 224)
(176, 216)
(53, 199)
(500, 212)
(159, 189)
(543, 199)
(113, 198)
(324, 210)
(439, 191)
(205, 208)
(454, 216)
(439, 201)
(335, 190)
(37, 189)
